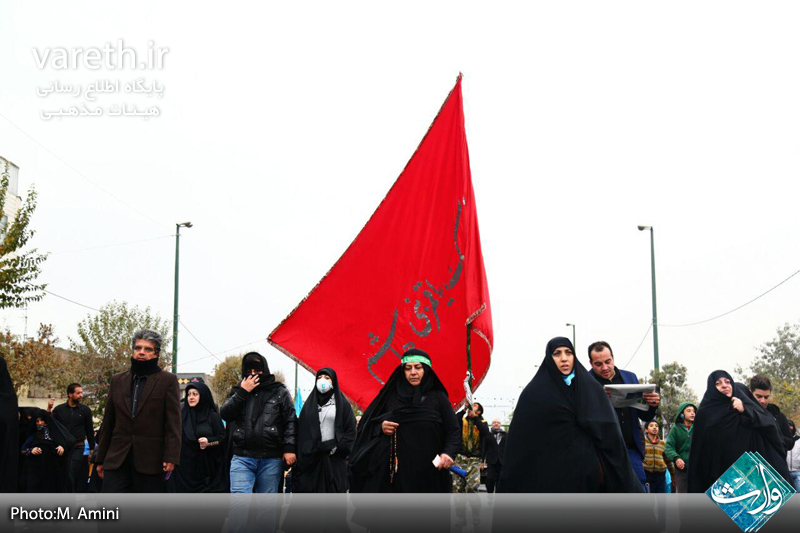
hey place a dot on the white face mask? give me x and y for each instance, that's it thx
(324, 385)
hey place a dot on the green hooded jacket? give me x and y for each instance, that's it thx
(679, 440)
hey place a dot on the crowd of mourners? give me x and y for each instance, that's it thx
(565, 435)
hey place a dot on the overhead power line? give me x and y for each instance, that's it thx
(81, 174)
(732, 310)
(110, 245)
(198, 341)
(638, 347)
(211, 354)
(70, 301)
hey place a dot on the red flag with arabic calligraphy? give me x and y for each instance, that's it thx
(412, 278)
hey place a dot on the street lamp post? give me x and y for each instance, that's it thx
(175, 307)
(573, 335)
(653, 275)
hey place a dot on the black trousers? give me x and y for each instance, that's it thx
(493, 476)
(127, 479)
(77, 469)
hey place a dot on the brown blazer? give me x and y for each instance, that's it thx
(155, 433)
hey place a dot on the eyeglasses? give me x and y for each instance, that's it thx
(146, 349)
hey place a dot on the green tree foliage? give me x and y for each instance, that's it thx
(671, 382)
(779, 360)
(103, 347)
(225, 376)
(18, 269)
(35, 362)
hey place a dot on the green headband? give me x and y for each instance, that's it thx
(416, 359)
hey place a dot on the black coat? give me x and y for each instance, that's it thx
(787, 437)
(495, 451)
(263, 422)
(317, 469)
(78, 421)
(565, 438)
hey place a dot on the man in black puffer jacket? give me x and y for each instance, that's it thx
(263, 428)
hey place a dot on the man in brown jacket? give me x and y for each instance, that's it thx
(140, 439)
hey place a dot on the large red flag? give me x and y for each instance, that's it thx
(413, 277)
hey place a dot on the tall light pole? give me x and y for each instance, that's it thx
(653, 274)
(175, 308)
(573, 335)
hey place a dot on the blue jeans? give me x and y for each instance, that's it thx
(796, 478)
(249, 474)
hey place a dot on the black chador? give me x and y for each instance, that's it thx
(321, 463)
(427, 427)
(721, 434)
(565, 436)
(202, 469)
(45, 469)
(9, 425)
(326, 432)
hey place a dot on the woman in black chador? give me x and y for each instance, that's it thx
(405, 427)
(565, 436)
(9, 425)
(728, 424)
(44, 449)
(27, 423)
(202, 466)
(326, 431)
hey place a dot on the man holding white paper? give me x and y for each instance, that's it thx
(603, 369)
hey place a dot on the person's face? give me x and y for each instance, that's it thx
(475, 411)
(652, 429)
(39, 422)
(256, 372)
(689, 414)
(496, 424)
(565, 359)
(724, 386)
(144, 350)
(762, 396)
(193, 397)
(77, 395)
(603, 363)
(414, 373)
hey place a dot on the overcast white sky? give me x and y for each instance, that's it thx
(281, 128)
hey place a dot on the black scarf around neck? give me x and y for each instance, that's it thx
(144, 368)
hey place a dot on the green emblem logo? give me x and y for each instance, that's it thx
(750, 492)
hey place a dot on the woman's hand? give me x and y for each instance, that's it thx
(445, 461)
(203, 442)
(680, 463)
(59, 450)
(36, 451)
(389, 428)
(737, 404)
